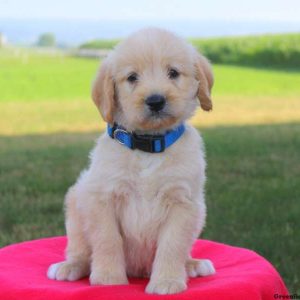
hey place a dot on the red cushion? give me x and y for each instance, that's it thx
(241, 274)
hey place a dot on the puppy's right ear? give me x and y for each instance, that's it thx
(103, 92)
(206, 80)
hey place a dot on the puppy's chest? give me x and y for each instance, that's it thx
(136, 197)
(140, 174)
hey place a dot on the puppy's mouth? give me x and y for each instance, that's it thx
(158, 120)
(158, 115)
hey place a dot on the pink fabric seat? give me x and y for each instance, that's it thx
(241, 274)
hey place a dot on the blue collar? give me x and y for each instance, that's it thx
(146, 142)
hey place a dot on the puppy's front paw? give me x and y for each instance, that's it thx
(165, 286)
(68, 271)
(199, 267)
(107, 278)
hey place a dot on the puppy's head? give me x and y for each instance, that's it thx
(153, 80)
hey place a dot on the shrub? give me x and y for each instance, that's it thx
(282, 50)
(278, 50)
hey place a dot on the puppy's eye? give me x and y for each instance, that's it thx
(133, 77)
(173, 74)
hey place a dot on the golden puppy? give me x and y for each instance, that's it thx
(135, 213)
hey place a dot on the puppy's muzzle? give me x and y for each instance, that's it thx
(156, 102)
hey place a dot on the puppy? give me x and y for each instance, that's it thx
(138, 208)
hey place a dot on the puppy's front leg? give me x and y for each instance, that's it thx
(108, 262)
(174, 244)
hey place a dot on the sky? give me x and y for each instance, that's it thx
(260, 10)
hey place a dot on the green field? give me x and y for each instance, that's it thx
(55, 92)
(48, 125)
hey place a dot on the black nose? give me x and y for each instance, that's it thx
(156, 102)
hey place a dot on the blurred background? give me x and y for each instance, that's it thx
(49, 53)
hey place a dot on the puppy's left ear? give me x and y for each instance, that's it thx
(103, 92)
(206, 80)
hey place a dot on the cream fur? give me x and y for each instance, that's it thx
(133, 213)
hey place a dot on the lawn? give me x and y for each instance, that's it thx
(48, 125)
(55, 92)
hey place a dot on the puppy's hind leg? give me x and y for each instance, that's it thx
(199, 267)
(77, 263)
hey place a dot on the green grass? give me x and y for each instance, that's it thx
(255, 82)
(253, 192)
(43, 94)
(26, 76)
(48, 125)
(281, 50)
(253, 188)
